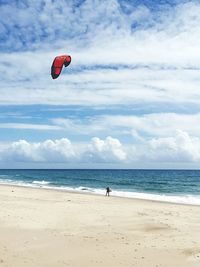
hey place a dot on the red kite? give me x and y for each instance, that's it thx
(58, 63)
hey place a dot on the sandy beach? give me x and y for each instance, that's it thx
(50, 228)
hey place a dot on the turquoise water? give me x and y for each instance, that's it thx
(182, 186)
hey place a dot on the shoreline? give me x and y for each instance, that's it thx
(56, 228)
(85, 192)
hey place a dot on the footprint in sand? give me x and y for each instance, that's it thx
(193, 254)
(196, 257)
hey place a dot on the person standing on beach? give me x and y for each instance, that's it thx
(108, 191)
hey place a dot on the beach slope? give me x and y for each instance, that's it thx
(49, 228)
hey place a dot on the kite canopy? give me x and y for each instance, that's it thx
(58, 63)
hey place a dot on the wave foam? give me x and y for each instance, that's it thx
(180, 199)
(41, 182)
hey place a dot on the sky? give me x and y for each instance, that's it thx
(129, 99)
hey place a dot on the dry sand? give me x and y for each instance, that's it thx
(47, 228)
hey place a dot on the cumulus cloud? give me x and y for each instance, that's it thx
(63, 151)
(180, 148)
(107, 150)
(47, 151)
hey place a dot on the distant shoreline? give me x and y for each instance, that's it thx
(63, 190)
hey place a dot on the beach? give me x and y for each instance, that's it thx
(40, 227)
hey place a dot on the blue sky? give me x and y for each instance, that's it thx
(129, 99)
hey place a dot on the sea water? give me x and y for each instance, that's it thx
(177, 186)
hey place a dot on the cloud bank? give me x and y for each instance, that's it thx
(180, 148)
(63, 151)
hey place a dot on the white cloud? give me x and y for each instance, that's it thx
(180, 148)
(63, 151)
(155, 124)
(47, 151)
(108, 150)
(166, 55)
(141, 127)
(39, 127)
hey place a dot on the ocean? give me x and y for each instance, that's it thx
(177, 186)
